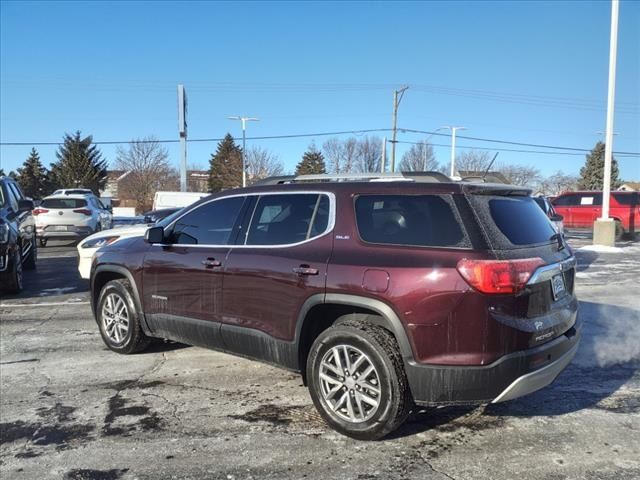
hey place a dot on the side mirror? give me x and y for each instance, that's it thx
(556, 218)
(154, 235)
(25, 205)
(109, 208)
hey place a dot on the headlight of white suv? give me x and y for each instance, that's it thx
(99, 242)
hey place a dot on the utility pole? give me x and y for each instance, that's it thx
(604, 229)
(244, 121)
(384, 155)
(397, 98)
(182, 132)
(453, 148)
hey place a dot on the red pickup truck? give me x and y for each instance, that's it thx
(581, 209)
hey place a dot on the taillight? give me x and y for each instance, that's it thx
(38, 211)
(84, 211)
(498, 276)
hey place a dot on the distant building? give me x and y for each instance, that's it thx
(629, 187)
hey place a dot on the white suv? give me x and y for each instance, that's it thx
(70, 216)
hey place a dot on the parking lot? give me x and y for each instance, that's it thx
(72, 409)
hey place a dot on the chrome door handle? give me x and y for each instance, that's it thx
(211, 262)
(305, 270)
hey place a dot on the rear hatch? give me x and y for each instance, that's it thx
(530, 284)
(62, 214)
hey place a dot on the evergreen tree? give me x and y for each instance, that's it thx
(225, 166)
(32, 177)
(591, 175)
(80, 164)
(312, 162)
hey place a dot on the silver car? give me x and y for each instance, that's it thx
(70, 216)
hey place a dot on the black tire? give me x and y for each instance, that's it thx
(30, 262)
(620, 233)
(43, 242)
(15, 283)
(134, 340)
(380, 346)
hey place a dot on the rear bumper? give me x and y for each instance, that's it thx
(81, 232)
(511, 376)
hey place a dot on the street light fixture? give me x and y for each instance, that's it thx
(424, 146)
(244, 121)
(453, 147)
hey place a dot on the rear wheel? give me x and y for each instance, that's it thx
(357, 380)
(119, 320)
(620, 233)
(15, 285)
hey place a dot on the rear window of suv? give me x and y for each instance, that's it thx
(64, 203)
(414, 220)
(631, 198)
(515, 220)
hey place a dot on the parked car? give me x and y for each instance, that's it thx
(555, 218)
(73, 191)
(382, 294)
(90, 245)
(18, 246)
(581, 209)
(163, 200)
(70, 216)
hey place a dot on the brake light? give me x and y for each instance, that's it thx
(498, 276)
(38, 211)
(84, 211)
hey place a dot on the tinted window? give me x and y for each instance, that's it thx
(64, 203)
(17, 193)
(521, 220)
(209, 224)
(422, 220)
(566, 200)
(626, 198)
(286, 219)
(13, 199)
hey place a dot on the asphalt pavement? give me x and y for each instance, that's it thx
(71, 409)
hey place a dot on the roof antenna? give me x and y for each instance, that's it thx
(490, 165)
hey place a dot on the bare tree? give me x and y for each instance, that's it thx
(369, 154)
(557, 183)
(524, 175)
(146, 164)
(418, 158)
(262, 164)
(341, 155)
(473, 161)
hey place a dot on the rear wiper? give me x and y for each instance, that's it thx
(558, 238)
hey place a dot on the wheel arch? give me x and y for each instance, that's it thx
(320, 312)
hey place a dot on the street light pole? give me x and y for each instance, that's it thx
(424, 144)
(244, 121)
(604, 229)
(397, 98)
(453, 148)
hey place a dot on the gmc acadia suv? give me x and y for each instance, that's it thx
(382, 294)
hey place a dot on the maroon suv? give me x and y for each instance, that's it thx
(381, 294)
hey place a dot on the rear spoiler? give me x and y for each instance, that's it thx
(496, 189)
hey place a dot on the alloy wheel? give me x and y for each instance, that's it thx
(115, 318)
(349, 383)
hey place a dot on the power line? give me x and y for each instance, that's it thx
(350, 132)
(495, 149)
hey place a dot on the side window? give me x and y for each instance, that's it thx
(590, 199)
(566, 201)
(288, 218)
(209, 224)
(16, 191)
(13, 197)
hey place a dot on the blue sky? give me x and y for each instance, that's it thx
(111, 69)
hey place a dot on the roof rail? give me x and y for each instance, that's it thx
(418, 177)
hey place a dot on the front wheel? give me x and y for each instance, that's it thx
(15, 281)
(30, 262)
(119, 320)
(357, 380)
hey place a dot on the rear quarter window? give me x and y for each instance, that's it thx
(514, 220)
(63, 203)
(627, 198)
(412, 220)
